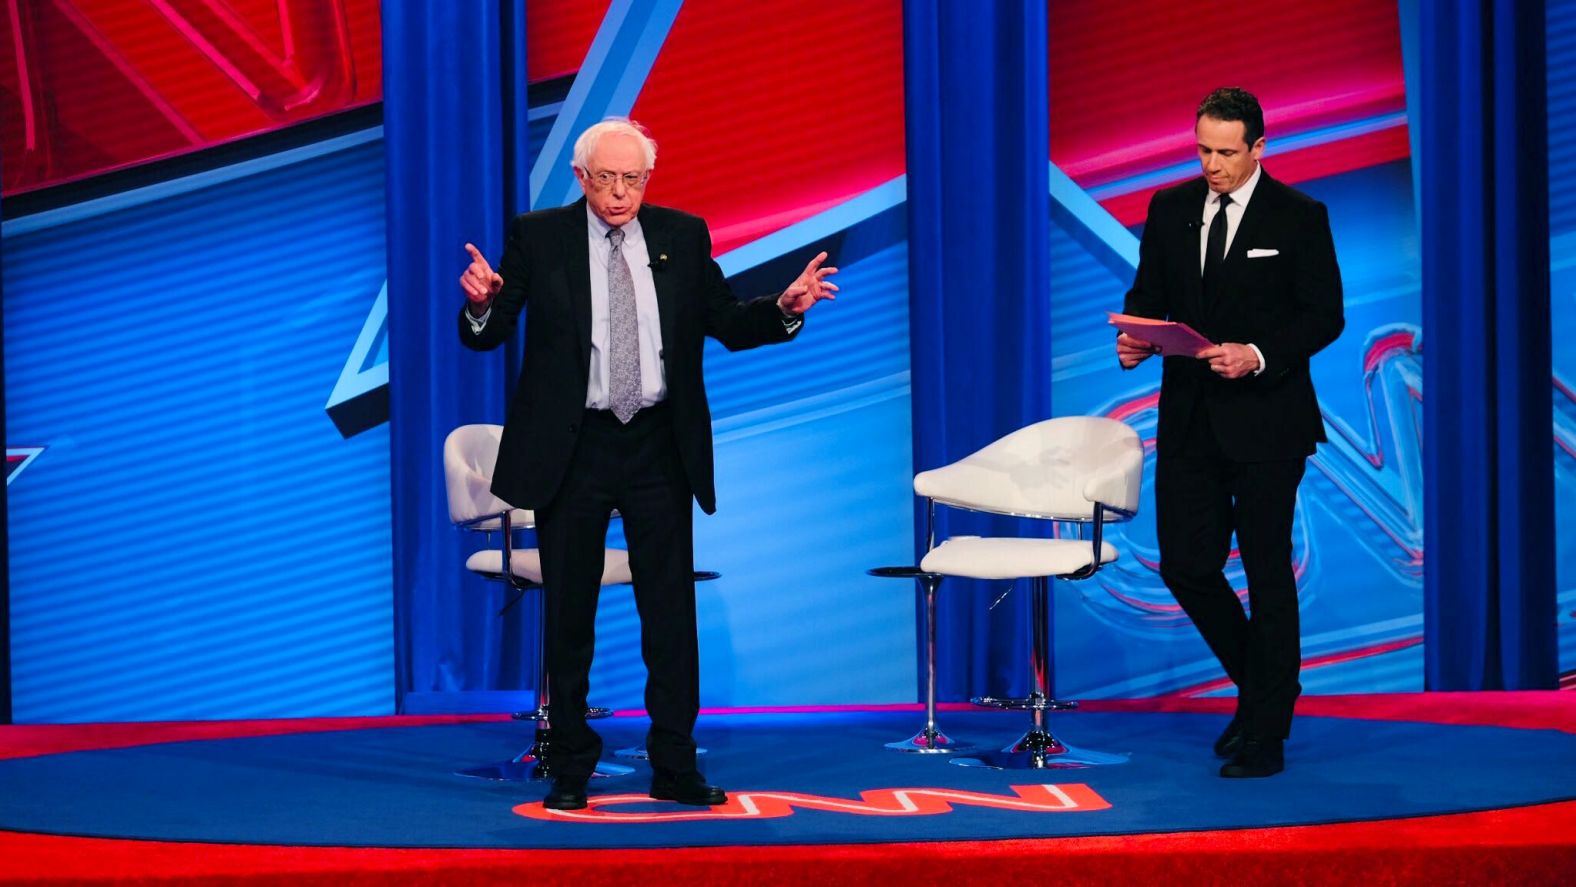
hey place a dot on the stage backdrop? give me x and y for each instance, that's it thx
(196, 376)
(781, 124)
(194, 228)
(1334, 95)
(197, 369)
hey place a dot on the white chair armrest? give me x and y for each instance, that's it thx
(1116, 482)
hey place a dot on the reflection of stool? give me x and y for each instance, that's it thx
(638, 752)
(1077, 470)
(929, 740)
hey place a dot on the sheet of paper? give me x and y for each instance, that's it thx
(1174, 339)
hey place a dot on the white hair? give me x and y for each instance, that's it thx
(613, 126)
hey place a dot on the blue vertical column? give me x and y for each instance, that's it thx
(979, 209)
(5, 547)
(1489, 596)
(453, 121)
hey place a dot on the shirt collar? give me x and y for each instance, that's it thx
(598, 229)
(1244, 192)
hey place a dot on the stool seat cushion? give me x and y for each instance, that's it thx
(526, 563)
(977, 557)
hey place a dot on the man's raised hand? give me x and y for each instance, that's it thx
(808, 288)
(480, 282)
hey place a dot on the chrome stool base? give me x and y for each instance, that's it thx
(930, 742)
(639, 753)
(1039, 750)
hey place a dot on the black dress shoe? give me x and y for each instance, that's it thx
(1230, 739)
(1256, 759)
(686, 788)
(567, 793)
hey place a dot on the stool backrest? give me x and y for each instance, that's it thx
(1056, 469)
(469, 454)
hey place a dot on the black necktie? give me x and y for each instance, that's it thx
(1215, 248)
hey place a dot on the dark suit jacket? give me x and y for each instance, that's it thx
(546, 272)
(1288, 304)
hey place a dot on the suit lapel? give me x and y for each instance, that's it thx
(1193, 224)
(1254, 217)
(577, 271)
(1258, 209)
(659, 245)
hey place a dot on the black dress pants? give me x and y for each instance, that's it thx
(1201, 497)
(636, 469)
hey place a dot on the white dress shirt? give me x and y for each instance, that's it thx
(653, 379)
(1233, 221)
(653, 374)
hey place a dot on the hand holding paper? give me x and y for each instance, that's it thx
(1131, 352)
(1173, 339)
(1231, 360)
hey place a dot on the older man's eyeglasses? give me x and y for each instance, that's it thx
(604, 180)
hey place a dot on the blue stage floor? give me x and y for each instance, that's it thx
(793, 779)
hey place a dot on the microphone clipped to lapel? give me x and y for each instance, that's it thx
(659, 263)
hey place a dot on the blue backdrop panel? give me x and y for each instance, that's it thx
(814, 487)
(978, 133)
(1562, 257)
(196, 539)
(5, 558)
(812, 443)
(812, 437)
(455, 138)
(1489, 587)
(1357, 539)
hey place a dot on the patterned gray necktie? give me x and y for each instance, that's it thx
(623, 341)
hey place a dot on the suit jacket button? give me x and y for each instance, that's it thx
(572, 428)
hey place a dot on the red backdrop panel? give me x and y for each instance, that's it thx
(769, 112)
(557, 36)
(95, 85)
(1124, 87)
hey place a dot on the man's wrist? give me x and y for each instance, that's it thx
(477, 323)
(791, 322)
(1260, 355)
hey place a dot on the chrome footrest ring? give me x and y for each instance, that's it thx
(1024, 703)
(593, 713)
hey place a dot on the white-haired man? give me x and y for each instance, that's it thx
(610, 413)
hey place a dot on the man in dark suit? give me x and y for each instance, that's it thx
(610, 413)
(1249, 263)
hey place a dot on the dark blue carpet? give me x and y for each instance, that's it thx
(397, 787)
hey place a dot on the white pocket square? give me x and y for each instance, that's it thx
(1261, 253)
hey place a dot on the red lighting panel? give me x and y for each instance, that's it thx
(91, 86)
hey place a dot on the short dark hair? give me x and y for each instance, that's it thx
(1233, 103)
